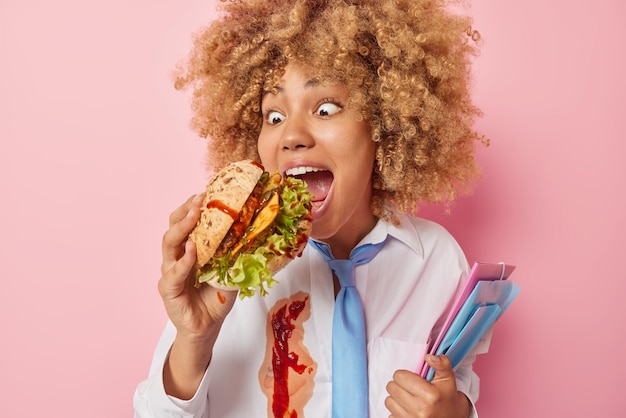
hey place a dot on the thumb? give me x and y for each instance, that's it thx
(444, 375)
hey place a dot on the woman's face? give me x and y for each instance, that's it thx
(309, 133)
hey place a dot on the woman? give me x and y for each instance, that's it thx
(368, 102)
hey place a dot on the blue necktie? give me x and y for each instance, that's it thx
(350, 396)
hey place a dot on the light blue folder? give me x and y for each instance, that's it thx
(485, 304)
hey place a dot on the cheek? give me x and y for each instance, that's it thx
(366, 159)
(266, 153)
(365, 148)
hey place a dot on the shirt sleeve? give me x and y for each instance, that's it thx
(150, 399)
(467, 381)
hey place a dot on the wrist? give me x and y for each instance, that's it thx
(186, 365)
(196, 340)
(464, 406)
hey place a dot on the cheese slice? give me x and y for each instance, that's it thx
(262, 221)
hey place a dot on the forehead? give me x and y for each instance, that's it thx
(298, 77)
(315, 73)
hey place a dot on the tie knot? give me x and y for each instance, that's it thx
(344, 269)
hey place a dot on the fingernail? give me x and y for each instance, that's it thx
(433, 358)
(197, 198)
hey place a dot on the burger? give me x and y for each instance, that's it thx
(252, 224)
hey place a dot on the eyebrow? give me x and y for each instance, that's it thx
(312, 83)
(309, 84)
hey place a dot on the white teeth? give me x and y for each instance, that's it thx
(298, 171)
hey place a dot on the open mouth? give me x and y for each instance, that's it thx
(319, 182)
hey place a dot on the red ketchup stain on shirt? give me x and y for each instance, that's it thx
(282, 359)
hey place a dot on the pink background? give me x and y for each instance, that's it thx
(96, 152)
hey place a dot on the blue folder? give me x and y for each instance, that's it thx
(483, 307)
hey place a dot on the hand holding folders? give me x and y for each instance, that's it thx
(484, 298)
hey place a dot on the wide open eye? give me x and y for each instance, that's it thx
(328, 109)
(273, 117)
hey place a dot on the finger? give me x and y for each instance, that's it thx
(413, 384)
(395, 409)
(407, 389)
(182, 210)
(397, 400)
(175, 238)
(174, 280)
(411, 392)
(444, 375)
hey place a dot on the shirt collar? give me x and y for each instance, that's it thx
(405, 232)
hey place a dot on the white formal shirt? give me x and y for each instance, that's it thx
(406, 291)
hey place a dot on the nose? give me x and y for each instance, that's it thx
(296, 136)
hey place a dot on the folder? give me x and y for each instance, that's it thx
(485, 296)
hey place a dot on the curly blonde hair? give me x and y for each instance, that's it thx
(405, 62)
